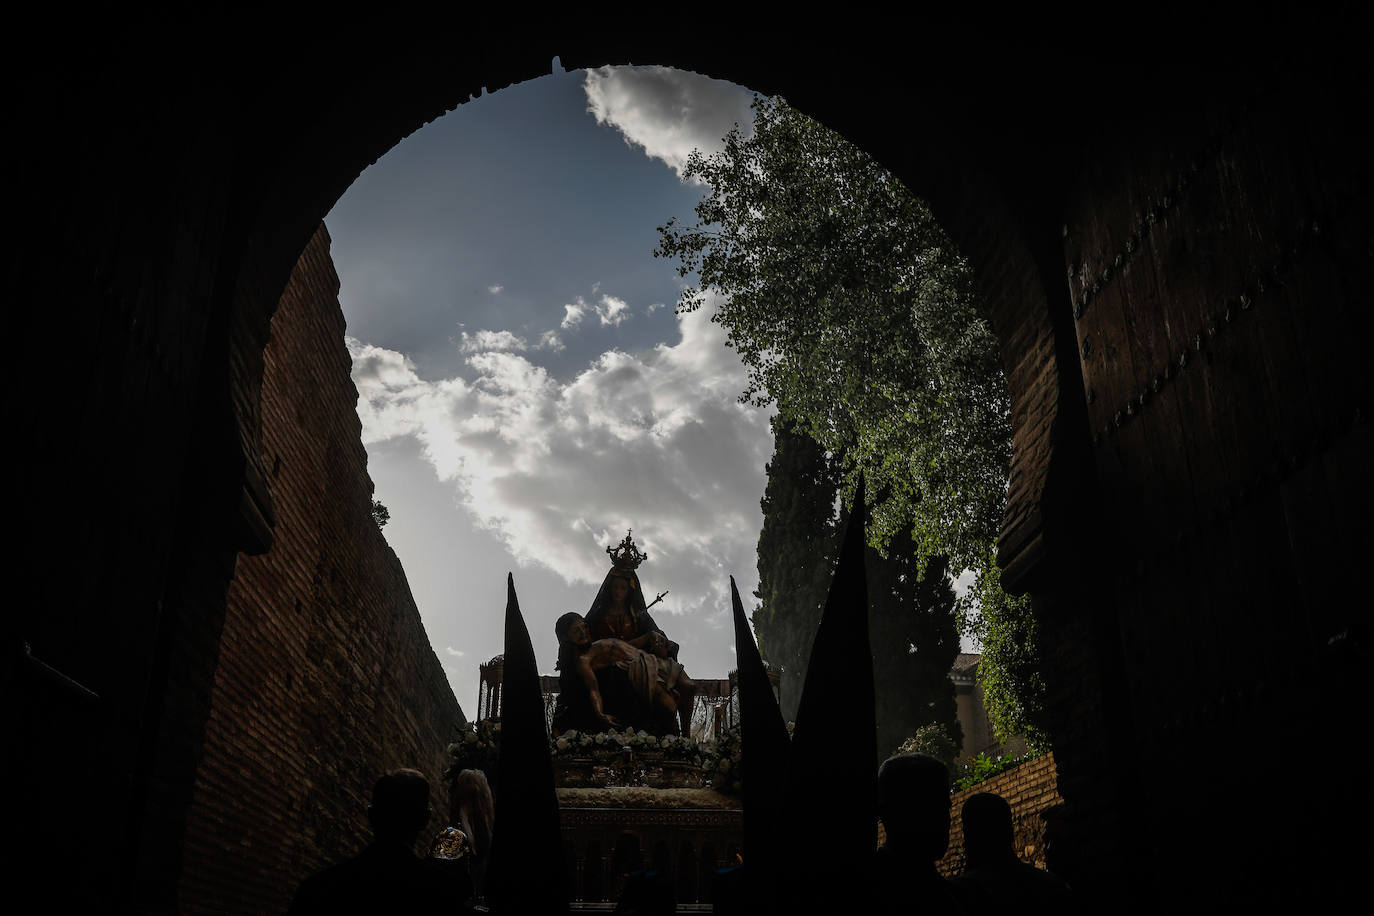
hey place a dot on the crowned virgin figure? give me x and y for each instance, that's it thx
(619, 611)
(618, 630)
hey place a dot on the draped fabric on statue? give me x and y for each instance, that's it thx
(763, 737)
(616, 689)
(833, 753)
(639, 613)
(526, 872)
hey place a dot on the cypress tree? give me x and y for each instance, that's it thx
(915, 642)
(911, 618)
(796, 555)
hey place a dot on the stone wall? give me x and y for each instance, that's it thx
(326, 677)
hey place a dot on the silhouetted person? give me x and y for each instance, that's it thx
(994, 879)
(387, 876)
(473, 811)
(647, 893)
(913, 802)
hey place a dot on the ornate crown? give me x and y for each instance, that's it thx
(626, 556)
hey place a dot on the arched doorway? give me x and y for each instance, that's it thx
(165, 231)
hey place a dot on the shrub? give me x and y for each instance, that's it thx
(984, 767)
(933, 741)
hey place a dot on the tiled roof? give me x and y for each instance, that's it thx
(966, 664)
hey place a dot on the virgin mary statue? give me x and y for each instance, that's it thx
(619, 611)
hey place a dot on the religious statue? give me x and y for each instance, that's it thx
(619, 611)
(660, 688)
(617, 668)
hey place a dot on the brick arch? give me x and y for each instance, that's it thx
(968, 201)
(995, 232)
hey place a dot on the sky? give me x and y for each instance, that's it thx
(527, 390)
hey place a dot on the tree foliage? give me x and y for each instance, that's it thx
(851, 309)
(1013, 689)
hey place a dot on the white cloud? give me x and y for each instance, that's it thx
(573, 313)
(550, 341)
(456, 653)
(612, 310)
(558, 470)
(666, 112)
(653, 307)
(481, 341)
(495, 289)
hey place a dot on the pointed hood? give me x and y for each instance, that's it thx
(833, 744)
(764, 741)
(526, 841)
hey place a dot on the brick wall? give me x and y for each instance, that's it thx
(1030, 789)
(326, 677)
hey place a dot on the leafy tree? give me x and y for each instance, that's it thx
(380, 513)
(796, 555)
(851, 308)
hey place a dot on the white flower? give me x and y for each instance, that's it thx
(666, 742)
(570, 734)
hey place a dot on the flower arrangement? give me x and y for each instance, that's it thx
(477, 747)
(617, 755)
(573, 743)
(724, 762)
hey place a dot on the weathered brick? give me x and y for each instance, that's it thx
(326, 677)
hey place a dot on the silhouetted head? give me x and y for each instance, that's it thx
(987, 829)
(913, 801)
(400, 806)
(571, 628)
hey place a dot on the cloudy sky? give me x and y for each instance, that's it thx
(527, 391)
